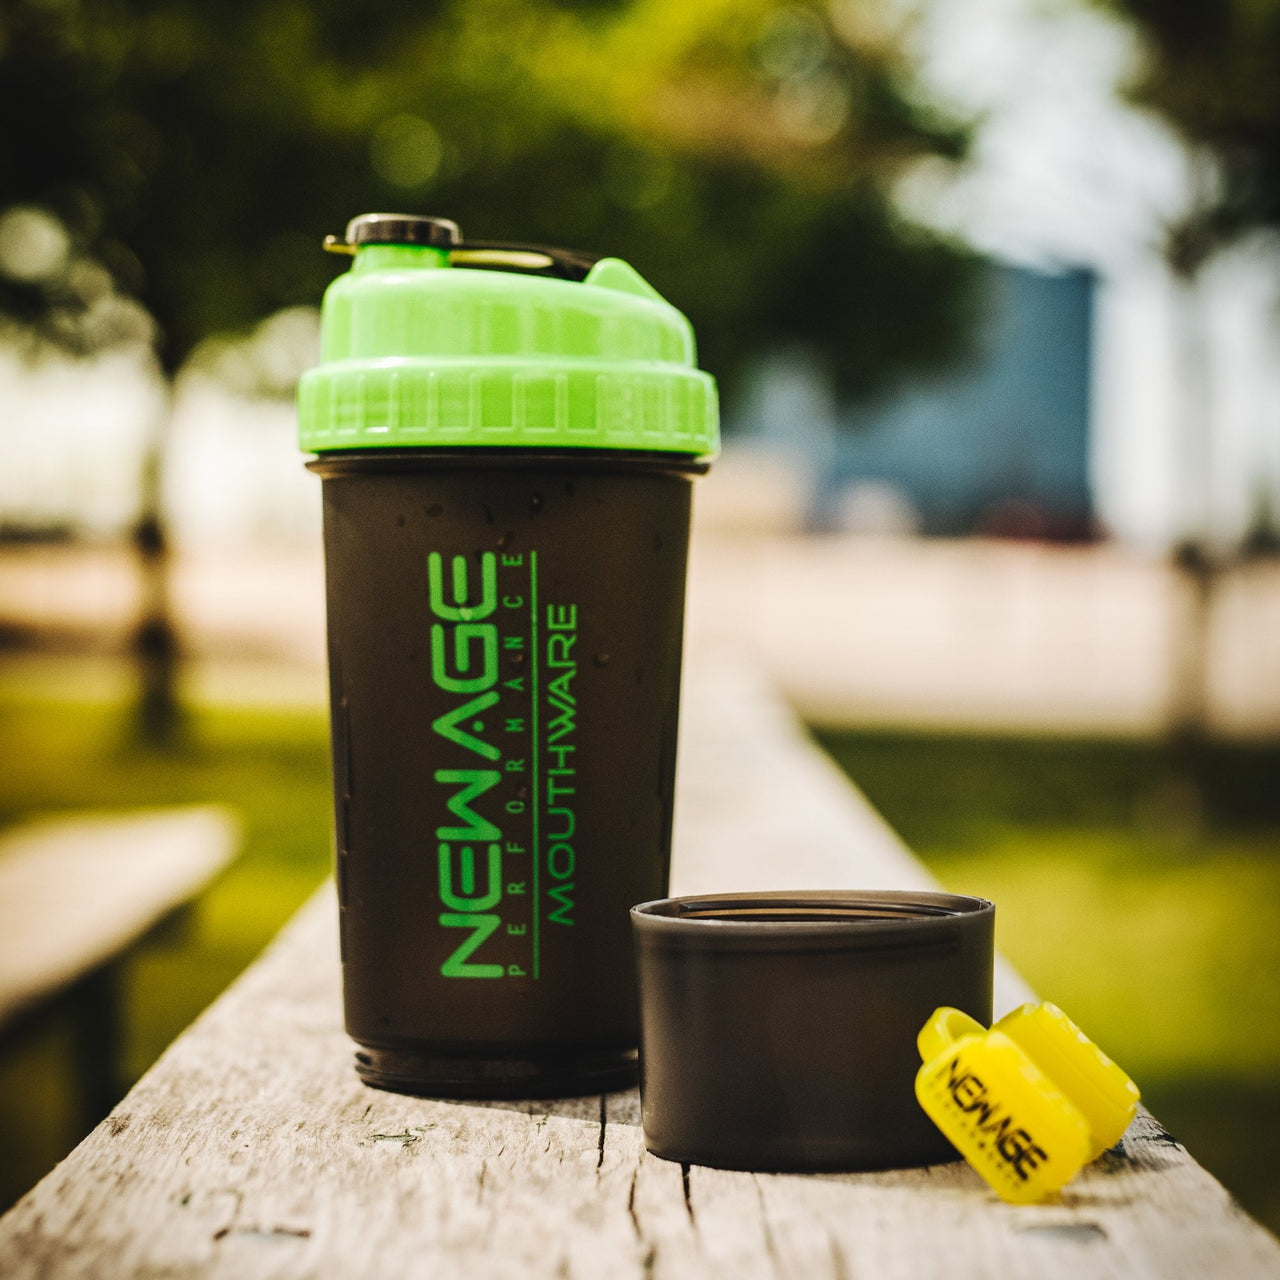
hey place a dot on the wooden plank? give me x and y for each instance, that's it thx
(75, 892)
(760, 806)
(250, 1150)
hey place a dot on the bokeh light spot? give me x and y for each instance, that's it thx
(33, 244)
(405, 151)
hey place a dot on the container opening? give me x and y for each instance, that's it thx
(810, 912)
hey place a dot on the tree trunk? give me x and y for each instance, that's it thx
(1196, 566)
(158, 718)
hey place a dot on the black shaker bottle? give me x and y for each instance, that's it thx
(507, 439)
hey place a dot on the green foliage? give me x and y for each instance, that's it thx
(1148, 917)
(739, 151)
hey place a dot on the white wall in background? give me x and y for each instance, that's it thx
(73, 435)
(235, 473)
(72, 438)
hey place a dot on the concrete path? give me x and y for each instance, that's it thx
(997, 635)
(961, 634)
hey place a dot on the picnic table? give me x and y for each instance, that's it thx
(77, 894)
(250, 1150)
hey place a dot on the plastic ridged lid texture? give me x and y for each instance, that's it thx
(1028, 1103)
(418, 353)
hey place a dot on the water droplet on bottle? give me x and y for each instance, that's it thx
(602, 659)
(435, 509)
(535, 504)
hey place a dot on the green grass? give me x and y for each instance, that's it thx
(1144, 906)
(74, 752)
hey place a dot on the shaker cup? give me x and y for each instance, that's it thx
(507, 439)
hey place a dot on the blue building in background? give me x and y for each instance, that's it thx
(997, 444)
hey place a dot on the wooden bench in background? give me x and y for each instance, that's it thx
(76, 895)
(251, 1151)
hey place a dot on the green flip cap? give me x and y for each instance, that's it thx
(421, 351)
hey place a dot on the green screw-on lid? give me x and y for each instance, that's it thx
(423, 346)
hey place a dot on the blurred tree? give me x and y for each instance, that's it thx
(1212, 71)
(181, 162)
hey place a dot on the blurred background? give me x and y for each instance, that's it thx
(991, 288)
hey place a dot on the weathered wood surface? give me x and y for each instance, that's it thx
(250, 1151)
(76, 892)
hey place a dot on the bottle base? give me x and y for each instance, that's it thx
(431, 1075)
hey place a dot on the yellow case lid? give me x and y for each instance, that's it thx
(1027, 1103)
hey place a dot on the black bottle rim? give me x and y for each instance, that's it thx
(340, 462)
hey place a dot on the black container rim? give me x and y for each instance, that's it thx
(430, 458)
(842, 919)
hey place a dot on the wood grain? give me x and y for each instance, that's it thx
(251, 1151)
